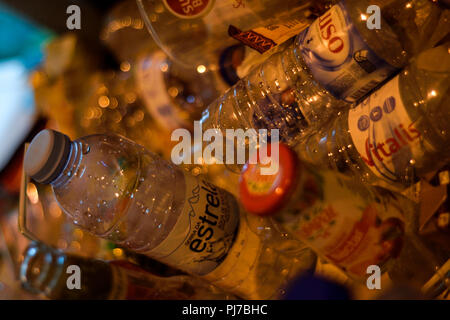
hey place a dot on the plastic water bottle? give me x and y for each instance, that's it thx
(399, 133)
(338, 217)
(354, 226)
(196, 32)
(119, 191)
(173, 95)
(332, 64)
(49, 271)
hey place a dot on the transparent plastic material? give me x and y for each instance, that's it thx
(275, 236)
(279, 94)
(119, 191)
(424, 92)
(109, 187)
(43, 270)
(258, 269)
(282, 93)
(174, 95)
(123, 32)
(195, 32)
(353, 226)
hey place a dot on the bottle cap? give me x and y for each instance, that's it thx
(266, 194)
(47, 155)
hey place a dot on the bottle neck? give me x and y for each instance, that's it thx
(49, 264)
(72, 165)
(61, 276)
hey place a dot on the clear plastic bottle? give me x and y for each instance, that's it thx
(119, 191)
(45, 270)
(173, 95)
(349, 224)
(196, 32)
(399, 133)
(333, 63)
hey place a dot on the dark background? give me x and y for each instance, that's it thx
(52, 15)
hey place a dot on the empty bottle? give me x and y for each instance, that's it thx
(173, 95)
(54, 273)
(358, 228)
(399, 133)
(333, 63)
(196, 32)
(342, 221)
(119, 191)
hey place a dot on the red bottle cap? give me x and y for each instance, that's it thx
(266, 194)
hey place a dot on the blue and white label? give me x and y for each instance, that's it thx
(338, 57)
(384, 134)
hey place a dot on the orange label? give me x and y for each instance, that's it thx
(346, 223)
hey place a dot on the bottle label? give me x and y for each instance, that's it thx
(345, 222)
(214, 12)
(239, 273)
(264, 38)
(189, 9)
(150, 82)
(252, 58)
(338, 57)
(204, 232)
(258, 184)
(384, 134)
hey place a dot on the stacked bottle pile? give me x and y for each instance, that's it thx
(332, 64)
(361, 107)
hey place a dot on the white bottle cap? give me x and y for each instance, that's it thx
(47, 156)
